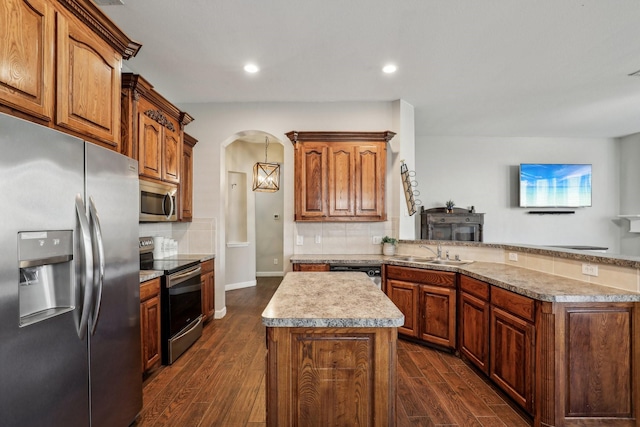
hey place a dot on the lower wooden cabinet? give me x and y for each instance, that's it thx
(331, 377)
(588, 359)
(310, 267)
(474, 326)
(208, 290)
(511, 356)
(150, 324)
(438, 315)
(405, 296)
(427, 298)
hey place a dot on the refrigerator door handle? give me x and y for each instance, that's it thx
(84, 277)
(98, 246)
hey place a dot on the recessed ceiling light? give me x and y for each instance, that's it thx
(251, 68)
(389, 69)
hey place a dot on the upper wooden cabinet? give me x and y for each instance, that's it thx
(152, 130)
(27, 35)
(60, 66)
(340, 176)
(186, 180)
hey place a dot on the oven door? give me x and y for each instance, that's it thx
(184, 290)
(181, 313)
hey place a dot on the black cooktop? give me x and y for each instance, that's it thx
(169, 266)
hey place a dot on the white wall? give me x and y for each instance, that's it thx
(215, 126)
(483, 172)
(269, 230)
(629, 192)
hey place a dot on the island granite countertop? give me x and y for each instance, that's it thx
(330, 299)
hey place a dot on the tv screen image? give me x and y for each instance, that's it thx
(546, 185)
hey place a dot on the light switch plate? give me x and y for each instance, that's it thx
(299, 240)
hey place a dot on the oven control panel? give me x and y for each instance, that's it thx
(145, 244)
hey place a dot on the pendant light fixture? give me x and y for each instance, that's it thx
(266, 176)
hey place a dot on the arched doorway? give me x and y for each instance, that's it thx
(253, 226)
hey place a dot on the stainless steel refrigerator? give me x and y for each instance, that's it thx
(69, 281)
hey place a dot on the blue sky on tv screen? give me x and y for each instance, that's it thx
(555, 185)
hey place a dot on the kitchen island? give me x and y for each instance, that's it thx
(331, 352)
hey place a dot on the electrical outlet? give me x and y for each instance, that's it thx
(318, 239)
(299, 240)
(275, 261)
(376, 240)
(513, 256)
(590, 270)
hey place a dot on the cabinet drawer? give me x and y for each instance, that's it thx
(474, 287)
(149, 289)
(310, 267)
(417, 275)
(513, 303)
(206, 266)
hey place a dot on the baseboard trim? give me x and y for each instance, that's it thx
(269, 274)
(240, 285)
(219, 314)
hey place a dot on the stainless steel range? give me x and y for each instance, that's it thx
(180, 300)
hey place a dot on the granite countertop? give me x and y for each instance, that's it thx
(534, 284)
(146, 275)
(544, 286)
(330, 299)
(335, 259)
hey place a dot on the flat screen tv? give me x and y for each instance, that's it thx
(550, 185)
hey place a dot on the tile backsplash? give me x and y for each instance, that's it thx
(195, 237)
(340, 237)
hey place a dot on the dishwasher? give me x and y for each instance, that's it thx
(373, 271)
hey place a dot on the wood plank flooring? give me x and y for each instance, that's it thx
(220, 380)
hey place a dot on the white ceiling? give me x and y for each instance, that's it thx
(470, 68)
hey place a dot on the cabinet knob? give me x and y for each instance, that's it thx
(441, 219)
(466, 219)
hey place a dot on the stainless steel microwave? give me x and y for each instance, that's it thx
(158, 201)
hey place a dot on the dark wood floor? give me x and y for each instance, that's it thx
(219, 381)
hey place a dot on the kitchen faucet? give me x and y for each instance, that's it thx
(438, 254)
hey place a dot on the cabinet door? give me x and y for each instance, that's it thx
(474, 330)
(311, 182)
(27, 38)
(405, 296)
(438, 315)
(512, 356)
(341, 180)
(186, 184)
(171, 154)
(150, 145)
(88, 83)
(370, 167)
(208, 295)
(150, 332)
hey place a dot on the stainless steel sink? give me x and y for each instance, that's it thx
(409, 258)
(450, 261)
(432, 260)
